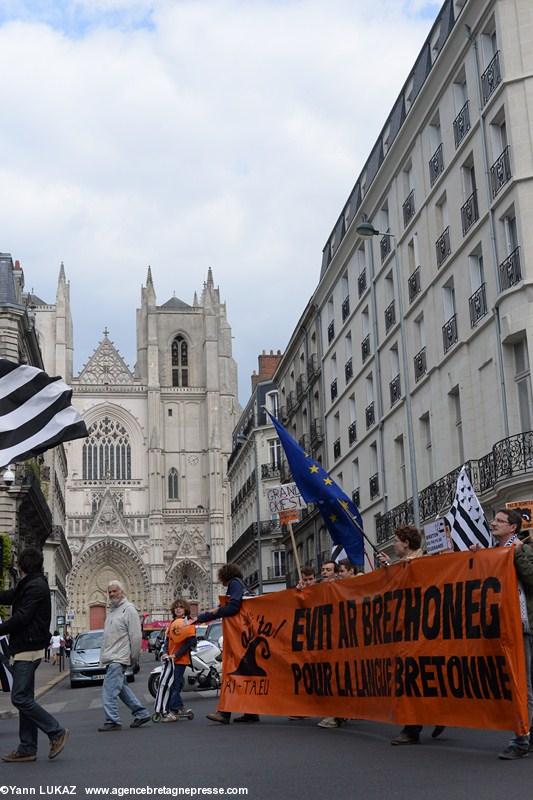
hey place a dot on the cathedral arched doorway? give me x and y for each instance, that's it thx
(188, 580)
(105, 561)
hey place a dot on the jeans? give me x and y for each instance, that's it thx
(175, 702)
(32, 717)
(522, 741)
(116, 687)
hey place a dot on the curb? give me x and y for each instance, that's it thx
(38, 693)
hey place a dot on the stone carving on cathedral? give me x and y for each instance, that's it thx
(106, 366)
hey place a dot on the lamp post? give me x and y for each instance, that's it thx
(366, 231)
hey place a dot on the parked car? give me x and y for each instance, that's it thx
(213, 633)
(152, 639)
(85, 659)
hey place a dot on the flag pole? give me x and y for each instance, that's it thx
(359, 528)
(295, 551)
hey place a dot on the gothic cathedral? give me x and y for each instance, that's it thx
(147, 498)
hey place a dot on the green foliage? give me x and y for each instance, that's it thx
(6, 555)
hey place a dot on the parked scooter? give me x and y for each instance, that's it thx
(205, 672)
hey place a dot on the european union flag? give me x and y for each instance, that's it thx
(316, 486)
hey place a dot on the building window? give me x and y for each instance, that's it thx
(106, 452)
(180, 362)
(274, 450)
(173, 484)
(425, 425)
(523, 385)
(279, 563)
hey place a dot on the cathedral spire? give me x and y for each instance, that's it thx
(150, 291)
(62, 276)
(149, 281)
(210, 284)
(195, 300)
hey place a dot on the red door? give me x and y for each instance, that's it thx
(96, 616)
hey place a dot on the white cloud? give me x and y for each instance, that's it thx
(227, 134)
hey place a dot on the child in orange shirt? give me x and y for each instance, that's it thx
(181, 639)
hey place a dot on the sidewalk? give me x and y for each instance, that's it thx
(46, 677)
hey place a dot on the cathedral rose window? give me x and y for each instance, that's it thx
(107, 452)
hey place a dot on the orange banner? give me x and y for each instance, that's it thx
(429, 641)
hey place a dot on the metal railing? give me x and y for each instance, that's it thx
(270, 470)
(461, 125)
(345, 308)
(413, 283)
(469, 212)
(443, 247)
(361, 282)
(370, 415)
(491, 78)
(385, 247)
(348, 370)
(449, 333)
(390, 316)
(436, 164)
(395, 390)
(352, 432)
(300, 385)
(312, 366)
(408, 208)
(365, 348)
(373, 484)
(510, 272)
(356, 497)
(331, 331)
(316, 431)
(477, 304)
(337, 449)
(420, 364)
(333, 389)
(500, 172)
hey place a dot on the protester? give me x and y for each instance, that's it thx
(181, 638)
(506, 527)
(230, 576)
(308, 578)
(29, 634)
(346, 569)
(121, 648)
(329, 570)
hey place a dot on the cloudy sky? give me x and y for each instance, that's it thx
(186, 135)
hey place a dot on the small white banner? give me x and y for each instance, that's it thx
(284, 498)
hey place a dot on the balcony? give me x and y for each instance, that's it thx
(469, 212)
(365, 348)
(270, 471)
(500, 172)
(300, 386)
(461, 125)
(348, 370)
(291, 401)
(312, 367)
(449, 333)
(331, 332)
(356, 497)
(352, 433)
(316, 432)
(361, 282)
(370, 415)
(491, 78)
(373, 484)
(333, 390)
(337, 449)
(385, 247)
(510, 272)
(395, 390)
(478, 305)
(408, 208)
(436, 164)
(420, 364)
(413, 284)
(345, 308)
(303, 441)
(390, 316)
(443, 247)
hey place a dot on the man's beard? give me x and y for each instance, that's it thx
(115, 602)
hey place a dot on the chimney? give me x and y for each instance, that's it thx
(268, 364)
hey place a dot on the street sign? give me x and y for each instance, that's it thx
(284, 498)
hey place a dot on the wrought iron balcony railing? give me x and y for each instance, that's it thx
(365, 348)
(436, 164)
(270, 470)
(443, 247)
(413, 283)
(510, 272)
(500, 172)
(333, 389)
(373, 484)
(291, 401)
(283, 413)
(337, 449)
(348, 370)
(409, 208)
(395, 390)
(312, 367)
(361, 283)
(352, 433)
(385, 247)
(461, 125)
(356, 497)
(370, 415)
(331, 331)
(390, 316)
(301, 385)
(491, 78)
(478, 305)
(469, 212)
(303, 441)
(345, 308)
(316, 432)
(449, 333)
(420, 364)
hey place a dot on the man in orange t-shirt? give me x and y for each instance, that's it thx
(181, 637)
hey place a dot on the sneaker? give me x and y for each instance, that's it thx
(184, 713)
(216, 717)
(170, 717)
(16, 756)
(138, 721)
(110, 726)
(512, 752)
(437, 730)
(404, 738)
(328, 722)
(57, 744)
(247, 718)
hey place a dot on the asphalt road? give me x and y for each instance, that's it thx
(274, 759)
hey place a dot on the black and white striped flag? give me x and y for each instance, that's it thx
(466, 517)
(36, 412)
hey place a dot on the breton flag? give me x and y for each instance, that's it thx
(466, 517)
(36, 412)
(339, 512)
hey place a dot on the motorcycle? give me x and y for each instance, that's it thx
(205, 672)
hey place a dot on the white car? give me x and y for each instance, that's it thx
(85, 659)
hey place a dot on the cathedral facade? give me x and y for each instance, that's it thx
(147, 499)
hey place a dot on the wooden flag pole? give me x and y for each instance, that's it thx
(295, 551)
